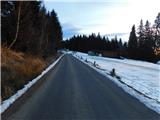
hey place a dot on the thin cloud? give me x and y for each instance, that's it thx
(103, 16)
(69, 30)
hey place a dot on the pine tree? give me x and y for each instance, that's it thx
(157, 32)
(148, 36)
(140, 34)
(120, 43)
(156, 29)
(149, 43)
(141, 40)
(132, 43)
(56, 28)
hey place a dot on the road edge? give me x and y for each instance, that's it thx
(123, 86)
(7, 103)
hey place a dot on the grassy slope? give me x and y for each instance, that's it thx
(17, 69)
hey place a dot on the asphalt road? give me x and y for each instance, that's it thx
(74, 91)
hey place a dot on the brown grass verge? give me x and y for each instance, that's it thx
(17, 69)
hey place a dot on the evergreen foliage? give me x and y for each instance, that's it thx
(142, 45)
(92, 42)
(28, 27)
(132, 43)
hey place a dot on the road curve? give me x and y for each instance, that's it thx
(74, 91)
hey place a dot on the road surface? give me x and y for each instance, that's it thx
(74, 91)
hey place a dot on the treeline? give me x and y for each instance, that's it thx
(143, 44)
(28, 27)
(93, 42)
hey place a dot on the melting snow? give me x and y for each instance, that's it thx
(137, 76)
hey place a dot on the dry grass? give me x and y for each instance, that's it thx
(17, 69)
(157, 51)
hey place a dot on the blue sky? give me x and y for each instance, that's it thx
(107, 17)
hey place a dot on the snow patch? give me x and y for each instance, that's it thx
(138, 78)
(158, 62)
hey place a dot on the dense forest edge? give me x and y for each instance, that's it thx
(143, 43)
(31, 37)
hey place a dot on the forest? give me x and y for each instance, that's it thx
(30, 28)
(143, 43)
(30, 38)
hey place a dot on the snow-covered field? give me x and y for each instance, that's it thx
(140, 79)
(5, 104)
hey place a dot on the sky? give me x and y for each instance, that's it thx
(107, 17)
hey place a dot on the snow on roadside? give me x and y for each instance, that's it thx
(5, 104)
(141, 76)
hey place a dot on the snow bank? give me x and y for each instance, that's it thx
(138, 78)
(5, 104)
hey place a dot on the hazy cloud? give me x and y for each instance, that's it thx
(102, 16)
(69, 30)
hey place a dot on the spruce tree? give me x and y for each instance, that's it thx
(140, 34)
(148, 36)
(157, 37)
(132, 44)
(149, 43)
(157, 32)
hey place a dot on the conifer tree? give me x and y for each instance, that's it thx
(132, 43)
(157, 31)
(141, 34)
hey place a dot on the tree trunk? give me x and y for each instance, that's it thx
(18, 23)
